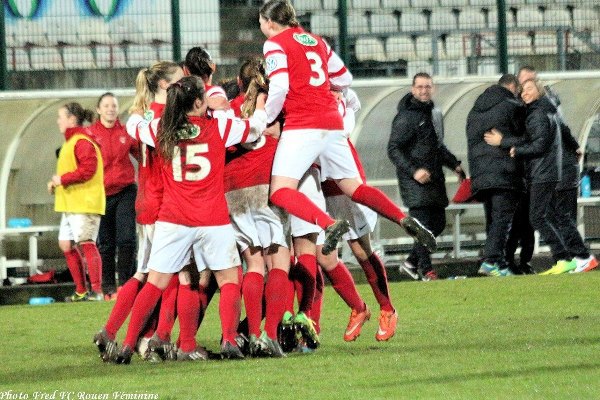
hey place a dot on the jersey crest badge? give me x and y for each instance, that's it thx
(189, 132)
(271, 64)
(149, 115)
(305, 39)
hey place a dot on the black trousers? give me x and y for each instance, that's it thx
(117, 239)
(521, 233)
(541, 210)
(434, 219)
(499, 206)
(564, 217)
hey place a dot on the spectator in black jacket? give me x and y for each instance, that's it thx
(564, 216)
(496, 178)
(542, 151)
(417, 150)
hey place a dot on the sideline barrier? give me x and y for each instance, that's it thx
(456, 211)
(33, 232)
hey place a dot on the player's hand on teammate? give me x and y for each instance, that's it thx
(261, 99)
(273, 130)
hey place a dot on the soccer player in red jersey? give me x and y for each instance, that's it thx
(261, 229)
(302, 68)
(78, 189)
(193, 218)
(198, 62)
(148, 104)
(362, 222)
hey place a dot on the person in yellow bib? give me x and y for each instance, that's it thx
(78, 188)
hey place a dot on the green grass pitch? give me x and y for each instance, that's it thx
(532, 337)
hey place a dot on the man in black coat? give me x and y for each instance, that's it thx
(496, 178)
(417, 150)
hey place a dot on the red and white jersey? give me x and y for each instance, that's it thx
(236, 104)
(194, 192)
(347, 108)
(301, 68)
(150, 187)
(248, 164)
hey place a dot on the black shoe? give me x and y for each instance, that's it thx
(163, 348)
(333, 234)
(198, 354)
(286, 333)
(231, 351)
(124, 356)
(243, 343)
(414, 228)
(526, 269)
(106, 346)
(270, 346)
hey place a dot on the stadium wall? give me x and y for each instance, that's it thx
(30, 137)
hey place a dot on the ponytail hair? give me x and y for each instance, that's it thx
(281, 12)
(254, 81)
(199, 62)
(80, 113)
(146, 84)
(174, 125)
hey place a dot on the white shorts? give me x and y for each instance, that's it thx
(79, 227)
(213, 246)
(145, 235)
(298, 149)
(362, 219)
(256, 223)
(310, 185)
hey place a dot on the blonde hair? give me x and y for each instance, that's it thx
(146, 84)
(538, 85)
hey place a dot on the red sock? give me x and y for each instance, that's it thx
(299, 205)
(377, 278)
(188, 305)
(343, 284)
(307, 272)
(229, 310)
(94, 264)
(122, 307)
(144, 305)
(315, 311)
(76, 269)
(168, 309)
(378, 202)
(275, 293)
(252, 290)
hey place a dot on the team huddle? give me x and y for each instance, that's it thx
(269, 176)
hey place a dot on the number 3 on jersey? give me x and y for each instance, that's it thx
(197, 167)
(316, 66)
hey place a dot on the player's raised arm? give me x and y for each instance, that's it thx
(279, 81)
(236, 130)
